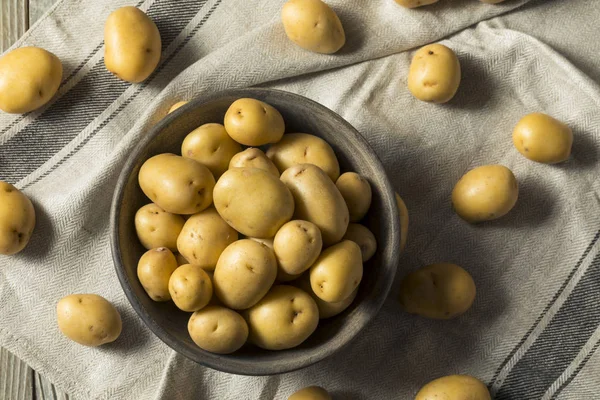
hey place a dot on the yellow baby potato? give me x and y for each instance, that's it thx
(253, 158)
(297, 245)
(211, 146)
(88, 319)
(190, 287)
(177, 106)
(415, 3)
(313, 25)
(454, 387)
(541, 138)
(218, 329)
(157, 228)
(311, 393)
(282, 276)
(356, 191)
(154, 271)
(253, 122)
(485, 193)
(302, 148)
(17, 219)
(29, 78)
(176, 184)
(364, 238)
(326, 309)
(283, 319)
(434, 74)
(132, 44)
(403, 221)
(438, 291)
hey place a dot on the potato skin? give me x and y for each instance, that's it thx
(454, 387)
(326, 309)
(437, 291)
(176, 184)
(311, 393)
(434, 74)
(157, 228)
(364, 238)
(211, 146)
(132, 44)
(404, 219)
(282, 276)
(543, 139)
(154, 270)
(17, 219)
(253, 122)
(356, 191)
(297, 245)
(88, 319)
(218, 329)
(485, 193)
(317, 200)
(415, 3)
(190, 287)
(177, 106)
(313, 25)
(302, 148)
(29, 78)
(253, 158)
(283, 319)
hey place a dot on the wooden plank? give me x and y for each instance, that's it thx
(16, 378)
(14, 21)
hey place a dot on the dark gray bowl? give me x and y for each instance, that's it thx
(354, 154)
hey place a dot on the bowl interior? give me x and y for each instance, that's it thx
(354, 154)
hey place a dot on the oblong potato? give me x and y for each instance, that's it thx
(403, 221)
(356, 191)
(454, 387)
(154, 271)
(157, 228)
(337, 272)
(29, 78)
(434, 74)
(283, 319)
(541, 138)
(326, 309)
(176, 184)
(132, 44)
(253, 158)
(437, 291)
(364, 238)
(190, 287)
(311, 393)
(317, 200)
(17, 219)
(253, 122)
(297, 245)
(302, 148)
(88, 319)
(211, 146)
(253, 201)
(416, 3)
(218, 329)
(204, 237)
(313, 25)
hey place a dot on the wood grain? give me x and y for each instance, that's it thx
(14, 21)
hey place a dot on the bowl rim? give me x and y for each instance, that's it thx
(218, 362)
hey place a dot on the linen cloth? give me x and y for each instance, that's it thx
(533, 331)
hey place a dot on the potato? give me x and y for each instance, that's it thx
(17, 219)
(245, 272)
(313, 25)
(218, 329)
(132, 44)
(454, 387)
(253, 122)
(176, 106)
(253, 201)
(154, 270)
(364, 238)
(326, 310)
(181, 260)
(297, 245)
(415, 3)
(157, 228)
(437, 291)
(190, 287)
(541, 138)
(302, 148)
(311, 393)
(282, 276)
(356, 192)
(337, 272)
(204, 237)
(283, 319)
(485, 193)
(317, 200)
(176, 184)
(29, 78)
(403, 221)
(434, 74)
(211, 146)
(88, 319)
(253, 158)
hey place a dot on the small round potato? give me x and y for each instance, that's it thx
(253, 201)
(157, 228)
(283, 319)
(313, 25)
(29, 78)
(176, 184)
(437, 291)
(326, 310)
(364, 238)
(218, 329)
(337, 272)
(154, 270)
(434, 74)
(403, 221)
(311, 393)
(176, 106)
(356, 192)
(190, 287)
(454, 387)
(317, 200)
(245, 272)
(88, 319)
(541, 138)
(253, 122)
(17, 219)
(415, 3)
(253, 158)
(302, 148)
(297, 245)
(485, 193)
(211, 146)
(181, 260)
(132, 44)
